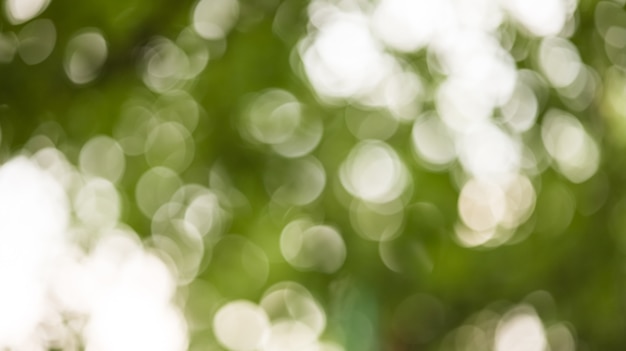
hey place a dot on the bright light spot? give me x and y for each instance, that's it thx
(461, 105)
(492, 210)
(84, 56)
(298, 182)
(520, 329)
(130, 300)
(178, 240)
(432, 141)
(169, 144)
(377, 223)
(117, 297)
(293, 302)
(481, 205)
(488, 152)
(484, 15)
(582, 92)
(312, 247)
(559, 61)
(20, 11)
(288, 335)
(154, 188)
(36, 41)
(126, 322)
(374, 172)
(272, 117)
(241, 326)
(576, 153)
(34, 215)
(520, 201)
(56, 164)
(408, 25)
(213, 19)
(477, 62)
(204, 208)
(33, 207)
(166, 65)
(97, 204)
(304, 138)
(520, 112)
(471, 238)
(401, 92)
(102, 157)
(541, 17)
(342, 60)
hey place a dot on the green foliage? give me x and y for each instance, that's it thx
(413, 290)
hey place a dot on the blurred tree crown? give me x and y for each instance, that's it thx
(312, 175)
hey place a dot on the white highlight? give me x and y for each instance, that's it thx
(241, 326)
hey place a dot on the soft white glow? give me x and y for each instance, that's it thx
(540, 17)
(97, 204)
(241, 326)
(472, 238)
(34, 215)
(303, 139)
(559, 61)
(130, 305)
(36, 41)
(520, 112)
(476, 61)
(20, 11)
(301, 182)
(400, 91)
(312, 247)
(213, 19)
(84, 56)
(408, 25)
(292, 301)
(154, 188)
(179, 240)
(165, 65)
(489, 152)
(461, 105)
(377, 223)
(272, 117)
(484, 15)
(202, 212)
(374, 172)
(289, 335)
(102, 157)
(520, 329)
(481, 205)
(116, 296)
(342, 59)
(576, 154)
(491, 209)
(432, 141)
